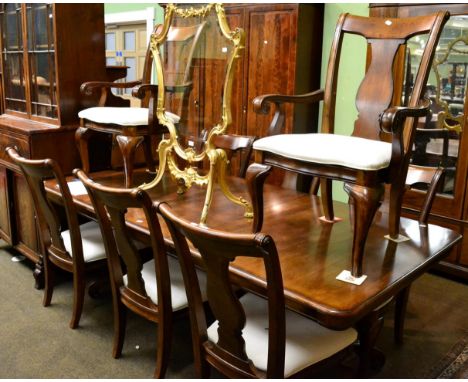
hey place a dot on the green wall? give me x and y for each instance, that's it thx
(350, 74)
(123, 7)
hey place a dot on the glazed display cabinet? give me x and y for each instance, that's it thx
(41, 73)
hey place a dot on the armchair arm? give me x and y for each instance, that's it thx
(87, 88)
(392, 119)
(140, 91)
(261, 105)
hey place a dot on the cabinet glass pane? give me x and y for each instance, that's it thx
(438, 136)
(12, 43)
(42, 60)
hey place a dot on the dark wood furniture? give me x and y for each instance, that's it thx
(79, 249)
(131, 126)
(450, 207)
(144, 288)
(282, 55)
(48, 50)
(237, 343)
(311, 252)
(382, 131)
(236, 146)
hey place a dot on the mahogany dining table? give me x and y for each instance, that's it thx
(312, 252)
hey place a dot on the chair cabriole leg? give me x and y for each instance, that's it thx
(128, 146)
(366, 202)
(78, 299)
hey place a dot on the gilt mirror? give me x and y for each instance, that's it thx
(195, 53)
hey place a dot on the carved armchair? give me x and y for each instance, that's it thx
(379, 149)
(134, 125)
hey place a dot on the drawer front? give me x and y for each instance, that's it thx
(21, 145)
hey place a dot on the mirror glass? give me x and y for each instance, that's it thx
(195, 57)
(438, 135)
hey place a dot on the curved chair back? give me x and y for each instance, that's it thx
(218, 249)
(111, 205)
(385, 38)
(35, 172)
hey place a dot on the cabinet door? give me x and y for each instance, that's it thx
(5, 226)
(26, 232)
(272, 57)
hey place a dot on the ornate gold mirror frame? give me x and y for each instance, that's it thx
(446, 115)
(170, 149)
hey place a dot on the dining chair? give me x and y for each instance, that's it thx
(153, 289)
(251, 336)
(134, 125)
(431, 178)
(379, 148)
(78, 249)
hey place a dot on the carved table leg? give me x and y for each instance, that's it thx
(255, 179)
(128, 145)
(370, 358)
(366, 202)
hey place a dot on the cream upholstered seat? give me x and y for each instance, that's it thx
(124, 116)
(354, 152)
(306, 341)
(93, 246)
(178, 295)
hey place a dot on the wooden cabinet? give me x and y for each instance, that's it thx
(282, 54)
(440, 139)
(48, 51)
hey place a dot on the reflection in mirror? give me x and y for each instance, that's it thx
(438, 135)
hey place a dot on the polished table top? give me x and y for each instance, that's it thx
(312, 252)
